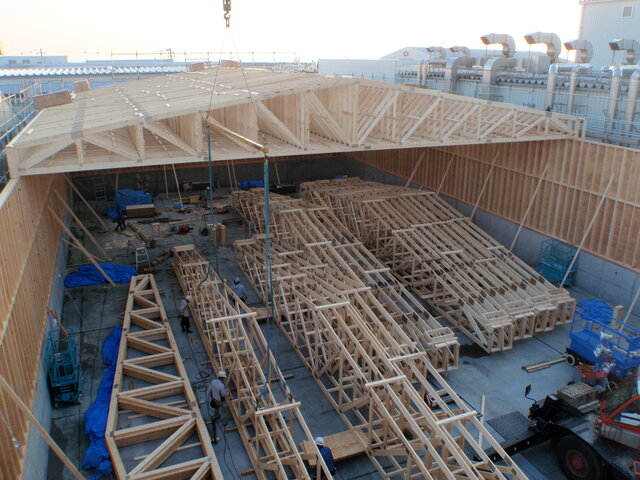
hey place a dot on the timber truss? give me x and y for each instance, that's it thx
(473, 281)
(154, 413)
(298, 225)
(268, 418)
(163, 120)
(378, 379)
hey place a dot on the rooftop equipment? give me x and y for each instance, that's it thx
(583, 48)
(496, 64)
(551, 40)
(631, 48)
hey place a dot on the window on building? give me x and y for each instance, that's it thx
(627, 12)
(12, 62)
(26, 62)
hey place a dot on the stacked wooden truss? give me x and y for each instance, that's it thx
(152, 404)
(472, 280)
(374, 371)
(297, 225)
(268, 419)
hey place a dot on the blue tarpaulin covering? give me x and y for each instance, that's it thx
(112, 212)
(247, 184)
(95, 419)
(90, 275)
(132, 197)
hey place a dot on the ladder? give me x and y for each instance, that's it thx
(99, 189)
(140, 250)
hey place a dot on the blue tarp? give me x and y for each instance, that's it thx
(132, 197)
(247, 184)
(112, 212)
(96, 455)
(90, 275)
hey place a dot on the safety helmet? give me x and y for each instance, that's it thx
(236, 280)
(188, 298)
(319, 441)
(222, 374)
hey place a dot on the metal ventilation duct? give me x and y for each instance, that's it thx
(460, 49)
(631, 47)
(507, 42)
(583, 48)
(551, 40)
(439, 50)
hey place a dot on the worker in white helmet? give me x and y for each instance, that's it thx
(238, 289)
(184, 312)
(217, 394)
(327, 455)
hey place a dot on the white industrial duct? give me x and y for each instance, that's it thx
(451, 71)
(617, 73)
(551, 40)
(460, 49)
(439, 50)
(632, 97)
(583, 48)
(495, 65)
(555, 68)
(631, 48)
(507, 42)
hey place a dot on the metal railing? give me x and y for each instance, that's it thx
(17, 111)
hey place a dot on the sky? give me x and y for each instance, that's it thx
(307, 29)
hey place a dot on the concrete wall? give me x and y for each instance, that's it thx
(37, 456)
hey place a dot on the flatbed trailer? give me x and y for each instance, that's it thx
(582, 452)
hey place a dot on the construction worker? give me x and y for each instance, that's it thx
(216, 395)
(121, 222)
(204, 196)
(327, 455)
(183, 311)
(238, 289)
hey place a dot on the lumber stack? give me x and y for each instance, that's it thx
(377, 377)
(154, 413)
(268, 418)
(319, 237)
(468, 277)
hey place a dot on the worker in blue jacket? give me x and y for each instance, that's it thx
(327, 455)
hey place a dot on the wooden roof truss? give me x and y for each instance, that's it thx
(375, 377)
(268, 419)
(153, 408)
(162, 120)
(476, 283)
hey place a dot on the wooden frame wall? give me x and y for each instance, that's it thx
(28, 250)
(577, 175)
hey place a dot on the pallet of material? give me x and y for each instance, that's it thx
(146, 210)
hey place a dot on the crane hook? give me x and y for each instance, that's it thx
(226, 6)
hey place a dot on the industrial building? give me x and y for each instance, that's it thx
(599, 83)
(361, 264)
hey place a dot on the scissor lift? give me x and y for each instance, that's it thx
(63, 367)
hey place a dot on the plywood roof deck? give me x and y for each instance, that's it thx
(162, 120)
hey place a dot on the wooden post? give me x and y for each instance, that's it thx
(104, 225)
(116, 187)
(444, 177)
(586, 232)
(631, 307)
(175, 175)
(486, 182)
(45, 435)
(415, 169)
(81, 247)
(526, 213)
(82, 226)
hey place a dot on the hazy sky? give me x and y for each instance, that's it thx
(312, 28)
